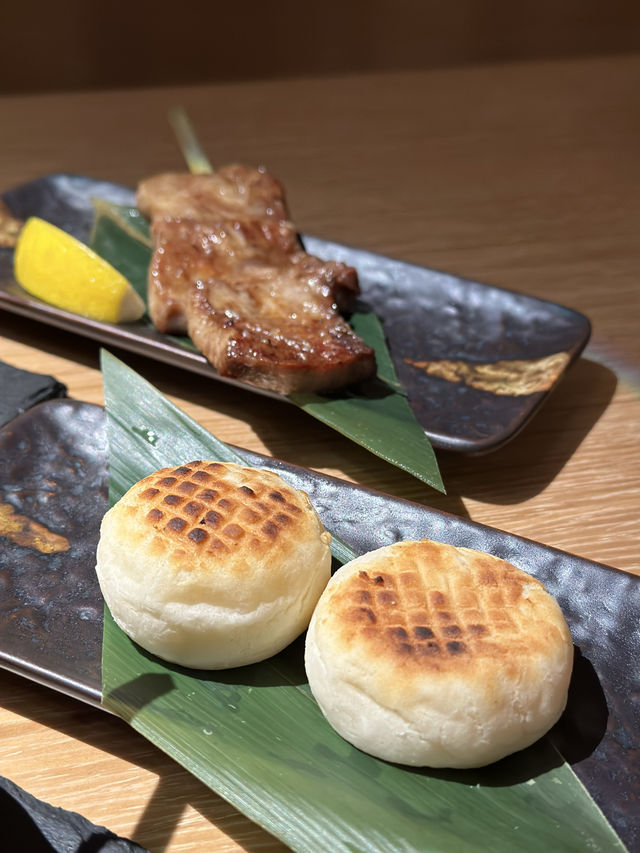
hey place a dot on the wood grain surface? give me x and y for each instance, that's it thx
(522, 175)
(122, 44)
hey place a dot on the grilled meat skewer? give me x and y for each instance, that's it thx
(229, 271)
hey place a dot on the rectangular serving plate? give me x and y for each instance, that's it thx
(51, 614)
(429, 317)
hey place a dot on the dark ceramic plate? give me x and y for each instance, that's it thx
(477, 361)
(51, 608)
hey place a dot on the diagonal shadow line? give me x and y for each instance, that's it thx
(165, 803)
(110, 734)
(535, 457)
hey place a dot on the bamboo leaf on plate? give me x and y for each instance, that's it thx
(156, 428)
(256, 736)
(129, 256)
(377, 416)
(121, 236)
(378, 412)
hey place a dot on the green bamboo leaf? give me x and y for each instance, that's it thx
(129, 256)
(121, 236)
(156, 428)
(256, 736)
(128, 219)
(369, 327)
(379, 413)
(377, 417)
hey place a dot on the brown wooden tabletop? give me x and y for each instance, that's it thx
(525, 176)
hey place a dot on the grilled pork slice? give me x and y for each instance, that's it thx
(233, 192)
(228, 270)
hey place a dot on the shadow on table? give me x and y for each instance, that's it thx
(35, 826)
(278, 424)
(518, 471)
(534, 458)
(575, 736)
(176, 788)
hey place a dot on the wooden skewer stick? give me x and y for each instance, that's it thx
(192, 151)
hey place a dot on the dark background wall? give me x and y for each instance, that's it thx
(83, 44)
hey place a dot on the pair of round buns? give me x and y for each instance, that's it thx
(431, 655)
(213, 565)
(419, 653)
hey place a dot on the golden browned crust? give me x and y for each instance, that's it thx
(205, 511)
(427, 654)
(426, 607)
(212, 565)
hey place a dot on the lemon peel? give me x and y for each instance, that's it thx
(62, 271)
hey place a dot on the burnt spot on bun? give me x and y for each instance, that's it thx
(455, 658)
(240, 504)
(200, 567)
(173, 500)
(416, 610)
(207, 495)
(187, 487)
(198, 535)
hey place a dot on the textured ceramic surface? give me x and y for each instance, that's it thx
(53, 494)
(51, 612)
(477, 361)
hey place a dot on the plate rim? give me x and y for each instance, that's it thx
(158, 347)
(84, 691)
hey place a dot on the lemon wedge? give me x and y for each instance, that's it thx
(55, 267)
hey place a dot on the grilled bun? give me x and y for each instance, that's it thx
(431, 655)
(212, 565)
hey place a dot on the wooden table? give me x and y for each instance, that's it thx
(525, 176)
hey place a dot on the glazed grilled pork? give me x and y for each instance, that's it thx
(229, 271)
